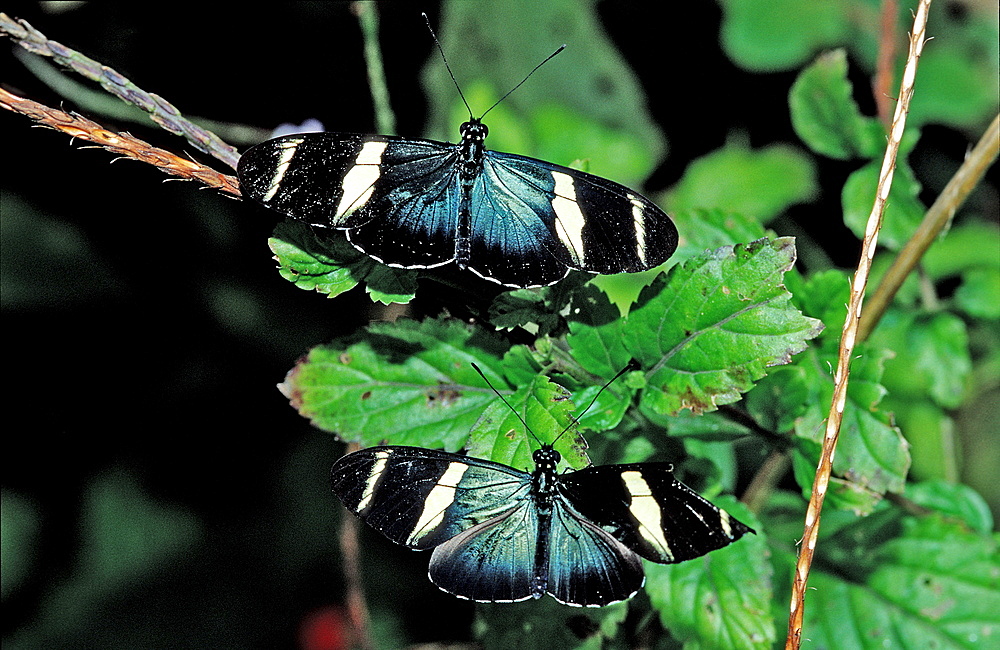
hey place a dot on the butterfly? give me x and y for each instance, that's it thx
(420, 204)
(502, 535)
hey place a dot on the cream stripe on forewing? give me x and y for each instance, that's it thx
(646, 511)
(287, 152)
(639, 224)
(569, 219)
(724, 520)
(437, 501)
(359, 182)
(381, 458)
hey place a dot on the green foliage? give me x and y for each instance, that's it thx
(728, 321)
(734, 349)
(720, 600)
(957, 77)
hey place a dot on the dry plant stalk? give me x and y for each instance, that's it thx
(849, 335)
(120, 143)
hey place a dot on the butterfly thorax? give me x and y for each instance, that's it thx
(473, 147)
(543, 479)
(472, 152)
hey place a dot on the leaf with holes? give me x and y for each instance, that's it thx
(709, 329)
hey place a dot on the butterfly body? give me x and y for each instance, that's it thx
(500, 534)
(414, 203)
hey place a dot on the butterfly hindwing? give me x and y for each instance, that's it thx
(421, 497)
(493, 561)
(586, 565)
(645, 507)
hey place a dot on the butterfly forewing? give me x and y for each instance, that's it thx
(650, 511)
(420, 497)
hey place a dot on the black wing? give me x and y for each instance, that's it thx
(421, 498)
(532, 221)
(397, 198)
(650, 511)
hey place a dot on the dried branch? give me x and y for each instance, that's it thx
(982, 156)
(120, 143)
(160, 110)
(849, 335)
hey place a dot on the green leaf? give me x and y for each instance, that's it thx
(596, 333)
(935, 586)
(769, 35)
(823, 295)
(825, 115)
(722, 599)
(759, 183)
(499, 435)
(406, 383)
(331, 266)
(709, 329)
(931, 356)
(872, 457)
(709, 229)
(19, 524)
(954, 500)
(903, 211)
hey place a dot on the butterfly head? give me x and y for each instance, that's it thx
(546, 458)
(473, 131)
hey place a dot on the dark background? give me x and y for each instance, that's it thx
(145, 326)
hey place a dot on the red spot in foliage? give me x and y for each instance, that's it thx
(325, 628)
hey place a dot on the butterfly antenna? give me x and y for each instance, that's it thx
(460, 94)
(558, 50)
(632, 365)
(513, 410)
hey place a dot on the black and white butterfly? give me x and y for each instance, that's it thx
(418, 204)
(500, 534)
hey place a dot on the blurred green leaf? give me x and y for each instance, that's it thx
(768, 35)
(547, 624)
(708, 229)
(979, 295)
(720, 600)
(19, 525)
(954, 500)
(957, 77)
(903, 211)
(708, 330)
(759, 183)
(47, 262)
(825, 115)
(931, 356)
(501, 42)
